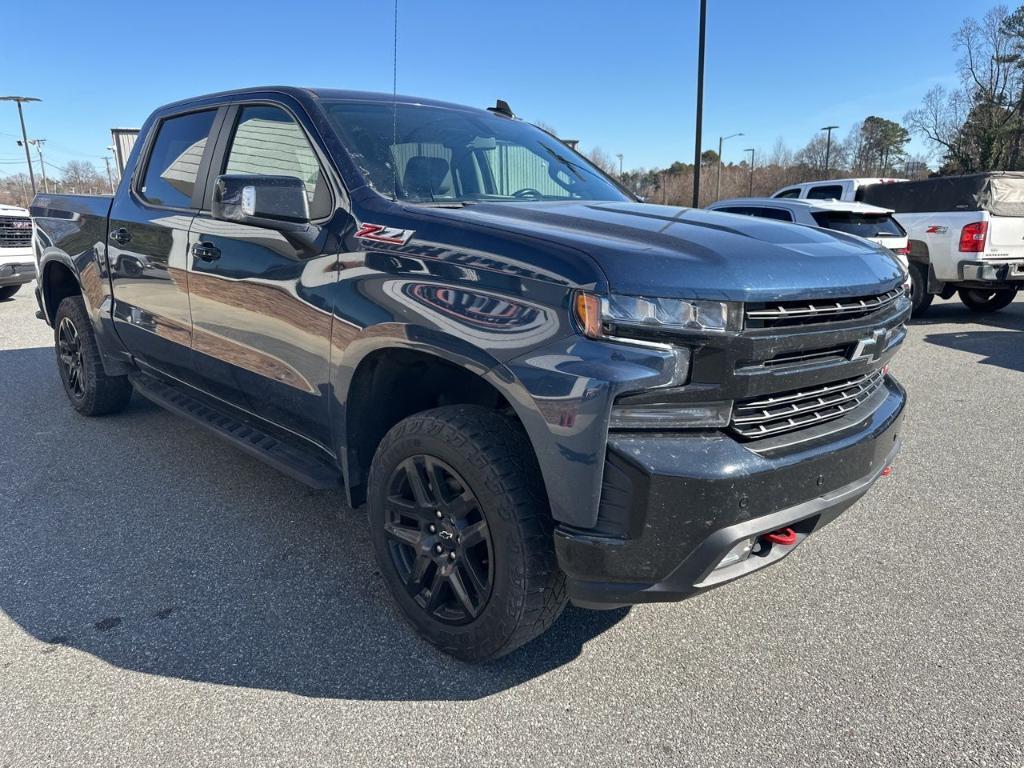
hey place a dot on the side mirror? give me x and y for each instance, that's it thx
(274, 202)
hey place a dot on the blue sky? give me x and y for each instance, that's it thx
(615, 75)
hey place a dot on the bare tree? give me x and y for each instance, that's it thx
(980, 125)
(603, 160)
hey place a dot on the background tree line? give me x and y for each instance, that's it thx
(873, 147)
(76, 176)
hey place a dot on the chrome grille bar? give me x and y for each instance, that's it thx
(795, 410)
(796, 311)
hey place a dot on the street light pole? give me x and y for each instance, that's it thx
(828, 145)
(700, 103)
(750, 190)
(620, 165)
(718, 190)
(24, 136)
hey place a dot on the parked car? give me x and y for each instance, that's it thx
(965, 233)
(867, 221)
(831, 189)
(17, 266)
(541, 388)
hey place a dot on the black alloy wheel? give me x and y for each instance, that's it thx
(439, 540)
(69, 346)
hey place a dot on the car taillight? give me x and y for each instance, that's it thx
(972, 237)
(902, 251)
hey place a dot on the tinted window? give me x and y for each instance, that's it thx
(762, 213)
(174, 160)
(861, 224)
(789, 193)
(427, 154)
(268, 142)
(826, 192)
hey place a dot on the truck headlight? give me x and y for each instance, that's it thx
(616, 315)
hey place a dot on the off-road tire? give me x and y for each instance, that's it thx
(919, 297)
(94, 393)
(8, 291)
(986, 301)
(493, 455)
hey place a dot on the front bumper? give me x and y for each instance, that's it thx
(675, 505)
(991, 272)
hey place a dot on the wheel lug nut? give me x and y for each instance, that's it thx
(439, 549)
(432, 528)
(451, 555)
(438, 514)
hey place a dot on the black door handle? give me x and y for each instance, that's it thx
(121, 236)
(206, 251)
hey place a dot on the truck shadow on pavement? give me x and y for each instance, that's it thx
(999, 347)
(145, 542)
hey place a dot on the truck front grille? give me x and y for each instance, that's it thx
(789, 411)
(782, 313)
(15, 232)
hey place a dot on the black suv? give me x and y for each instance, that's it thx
(543, 389)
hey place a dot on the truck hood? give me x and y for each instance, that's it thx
(657, 250)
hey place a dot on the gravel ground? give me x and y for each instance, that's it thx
(166, 600)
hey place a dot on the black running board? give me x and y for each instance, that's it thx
(285, 456)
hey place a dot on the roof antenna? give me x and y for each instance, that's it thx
(501, 107)
(394, 111)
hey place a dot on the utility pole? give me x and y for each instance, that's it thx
(110, 179)
(718, 189)
(38, 144)
(620, 165)
(750, 190)
(24, 136)
(700, 103)
(113, 151)
(828, 145)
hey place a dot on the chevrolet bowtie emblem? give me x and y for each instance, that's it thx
(873, 347)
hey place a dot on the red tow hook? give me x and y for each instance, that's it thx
(783, 536)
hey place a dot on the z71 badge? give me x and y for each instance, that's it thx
(381, 234)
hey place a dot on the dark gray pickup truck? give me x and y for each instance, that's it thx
(542, 389)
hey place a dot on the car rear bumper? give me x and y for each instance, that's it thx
(992, 272)
(686, 501)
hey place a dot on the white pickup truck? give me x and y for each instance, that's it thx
(17, 264)
(966, 233)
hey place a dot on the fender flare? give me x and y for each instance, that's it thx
(401, 336)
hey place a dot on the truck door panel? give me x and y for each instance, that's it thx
(260, 309)
(148, 243)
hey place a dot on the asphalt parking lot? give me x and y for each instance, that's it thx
(166, 600)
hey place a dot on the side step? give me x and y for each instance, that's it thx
(290, 458)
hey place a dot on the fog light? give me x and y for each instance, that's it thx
(739, 553)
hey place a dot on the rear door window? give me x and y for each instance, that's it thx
(771, 213)
(174, 160)
(825, 192)
(761, 213)
(860, 224)
(788, 193)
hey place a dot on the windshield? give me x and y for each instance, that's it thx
(862, 224)
(426, 154)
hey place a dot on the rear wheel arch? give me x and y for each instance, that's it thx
(918, 252)
(57, 283)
